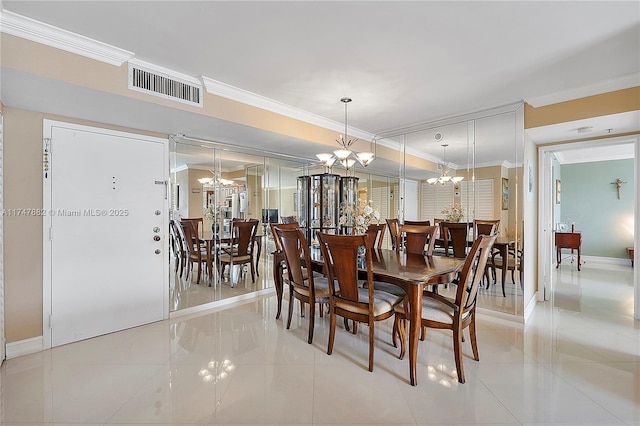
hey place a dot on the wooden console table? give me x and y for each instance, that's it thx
(568, 240)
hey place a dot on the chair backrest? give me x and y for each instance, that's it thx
(393, 231)
(486, 227)
(417, 237)
(276, 238)
(375, 232)
(340, 253)
(455, 235)
(293, 245)
(176, 239)
(190, 237)
(195, 222)
(418, 222)
(473, 272)
(244, 232)
(288, 219)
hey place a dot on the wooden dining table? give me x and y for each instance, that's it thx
(411, 272)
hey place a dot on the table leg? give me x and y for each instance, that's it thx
(277, 280)
(414, 295)
(210, 244)
(504, 252)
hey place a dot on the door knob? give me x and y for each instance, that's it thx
(156, 238)
(156, 229)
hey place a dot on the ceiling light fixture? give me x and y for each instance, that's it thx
(444, 171)
(215, 179)
(344, 155)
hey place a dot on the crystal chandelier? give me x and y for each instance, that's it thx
(444, 170)
(344, 155)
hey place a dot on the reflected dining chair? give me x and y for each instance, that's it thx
(417, 222)
(196, 252)
(241, 249)
(347, 297)
(177, 247)
(486, 227)
(418, 239)
(307, 288)
(455, 237)
(453, 314)
(375, 235)
(393, 224)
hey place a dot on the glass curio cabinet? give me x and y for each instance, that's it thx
(302, 205)
(324, 204)
(348, 201)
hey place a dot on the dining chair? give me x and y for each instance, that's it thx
(392, 224)
(196, 252)
(514, 262)
(418, 239)
(417, 222)
(375, 235)
(176, 246)
(455, 236)
(486, 227)
(197, 223)
(440, 244)
(347, 297)
(307, 288)
(241, 249)
(453, 314)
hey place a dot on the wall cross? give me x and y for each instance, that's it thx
(618, 182)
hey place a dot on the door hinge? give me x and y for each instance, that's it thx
(50, 321)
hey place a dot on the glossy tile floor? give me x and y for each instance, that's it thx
(577, 361)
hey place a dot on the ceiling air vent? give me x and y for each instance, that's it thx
(166, 85)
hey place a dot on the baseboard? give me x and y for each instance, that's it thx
(500, 315)
(224, 303)
(531, 306)
(24, 347)
(586, 260)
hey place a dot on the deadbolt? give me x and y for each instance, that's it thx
(156, 238)
(156, 229)
(157, 251)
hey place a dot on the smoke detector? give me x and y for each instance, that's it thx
(439, 137)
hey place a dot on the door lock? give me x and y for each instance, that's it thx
(157, 251)
(156, 238)
(156, 229)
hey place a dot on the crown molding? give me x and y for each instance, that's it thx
(224, 90)
(30, 29)
(611, 85)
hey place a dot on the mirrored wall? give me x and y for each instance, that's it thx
(474, 175)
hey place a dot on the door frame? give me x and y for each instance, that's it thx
(47, 127)
(545, 212)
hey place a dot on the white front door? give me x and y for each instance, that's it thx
(105, 226)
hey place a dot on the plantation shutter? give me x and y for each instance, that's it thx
(433, 198)
(480, 196)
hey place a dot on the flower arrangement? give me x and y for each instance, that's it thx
(453, 212)
(359, 217)
(211, 211)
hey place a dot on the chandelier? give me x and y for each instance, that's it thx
(444, 170)
(215, 179)
(344, 155)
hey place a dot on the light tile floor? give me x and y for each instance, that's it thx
(577, 362)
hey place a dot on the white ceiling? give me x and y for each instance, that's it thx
(403, 63)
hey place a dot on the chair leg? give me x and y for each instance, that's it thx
(457, 351)
(312, 314)
(423, 332)
(253, 273)
(371, 343)
(332, 330)
(402, 334)
(199, 272)
(472, 335)
(291, 302)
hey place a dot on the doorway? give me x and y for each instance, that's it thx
(105, 221)
(547, 200)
